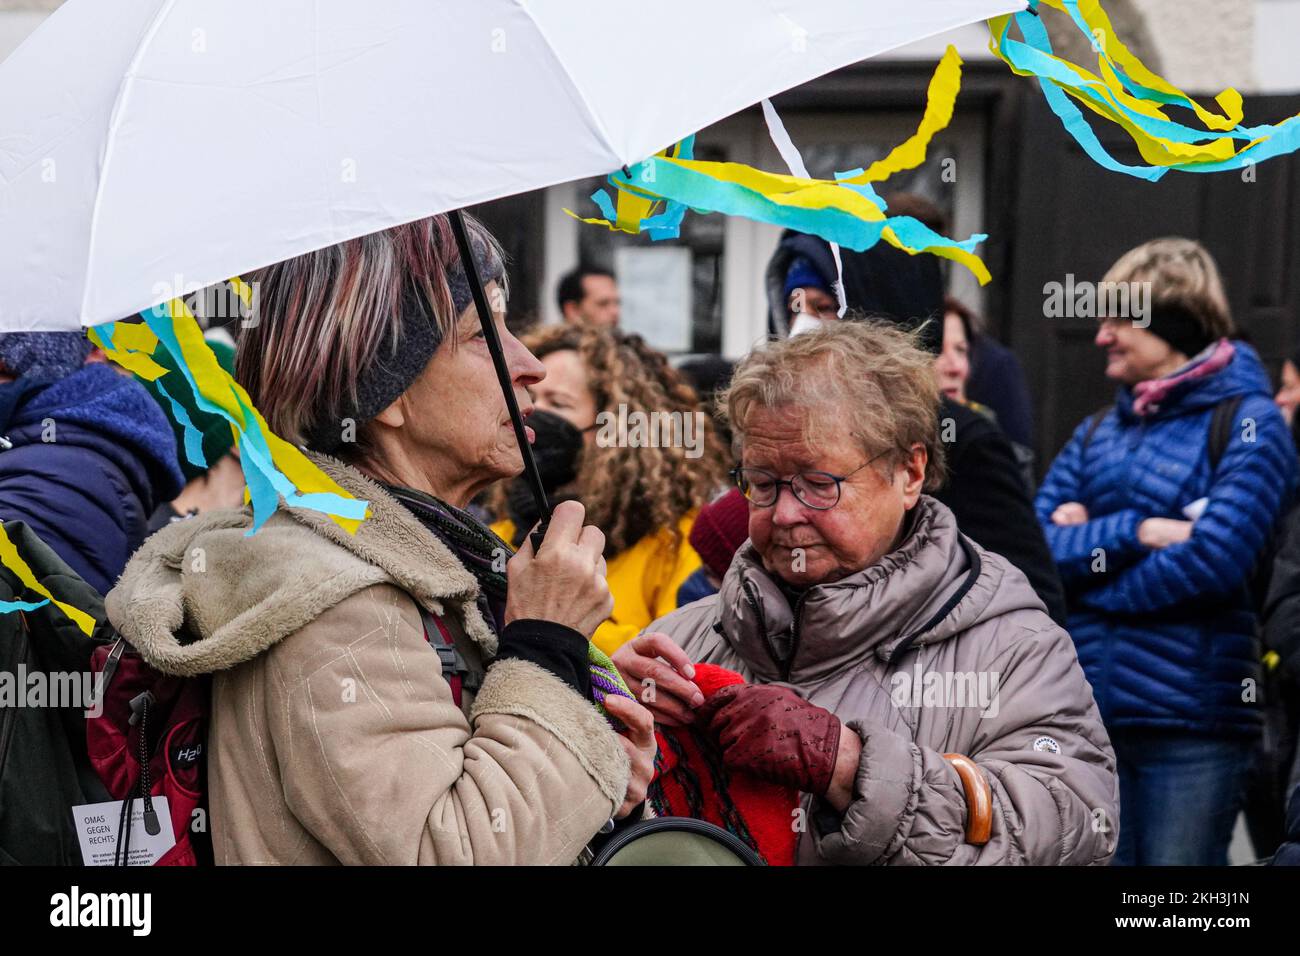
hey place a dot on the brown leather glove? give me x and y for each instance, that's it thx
(774, 734)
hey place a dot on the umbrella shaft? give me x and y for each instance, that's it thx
(495, 349)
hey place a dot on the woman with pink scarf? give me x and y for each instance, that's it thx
(1156, 511)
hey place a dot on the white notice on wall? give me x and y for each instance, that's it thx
(655, 285)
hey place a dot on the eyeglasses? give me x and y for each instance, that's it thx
(819, 490)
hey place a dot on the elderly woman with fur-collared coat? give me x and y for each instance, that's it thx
(907, 682)
(337, 733)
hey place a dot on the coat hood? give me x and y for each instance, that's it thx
(203, 594)
(1243, 375)
(881, 282)
(792, 246)
(97, 408)
(935, 585)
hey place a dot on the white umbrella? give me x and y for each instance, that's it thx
(149, 148)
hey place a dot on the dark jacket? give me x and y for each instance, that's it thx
(987, 494)
(1167, 637)
(92, 457)
(882, 282)
(998, 381)
(1281, 611)
(44, 767)
(1288, 854)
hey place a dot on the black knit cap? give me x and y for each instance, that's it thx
(1179, 325)
(882, 284)
(885, 284)
(398, 364)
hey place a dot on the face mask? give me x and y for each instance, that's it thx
(556, 451)
(803, 322)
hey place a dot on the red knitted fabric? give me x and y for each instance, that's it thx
(689, 771)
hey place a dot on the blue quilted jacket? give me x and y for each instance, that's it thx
(89, 493)
(1167, 637)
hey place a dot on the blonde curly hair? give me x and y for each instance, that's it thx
(632, 492)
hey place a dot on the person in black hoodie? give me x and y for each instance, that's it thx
(985, 489)
(85, 454)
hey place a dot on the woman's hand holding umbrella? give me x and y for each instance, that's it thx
(564, 582)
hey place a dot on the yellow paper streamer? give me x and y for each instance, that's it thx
(794, 191)
(216, 384)
(940, 99)
(132, 347)
(12, 560)
(638, 198)
(1113, 47)
(135, 359)
(1107, 93)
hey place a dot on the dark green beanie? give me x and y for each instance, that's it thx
(217, 437)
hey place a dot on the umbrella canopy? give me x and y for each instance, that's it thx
(149, 148)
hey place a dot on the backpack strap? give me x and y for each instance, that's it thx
(110, 666)
(1222, 425)
(456, 671)
(1094, 422)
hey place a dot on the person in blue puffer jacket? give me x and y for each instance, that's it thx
(85, 453)
(1156, 532)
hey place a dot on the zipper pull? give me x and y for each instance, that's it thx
(139, 703)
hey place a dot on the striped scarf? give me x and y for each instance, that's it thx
(482, 552)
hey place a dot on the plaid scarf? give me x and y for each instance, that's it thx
(482, 552)
(477, 547)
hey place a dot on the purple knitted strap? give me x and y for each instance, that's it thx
(603, 683)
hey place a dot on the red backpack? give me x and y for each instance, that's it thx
(150, 741)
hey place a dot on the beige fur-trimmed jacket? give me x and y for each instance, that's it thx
(334, 737)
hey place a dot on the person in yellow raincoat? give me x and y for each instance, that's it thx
(646, 460)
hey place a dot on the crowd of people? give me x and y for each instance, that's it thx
(929, 656)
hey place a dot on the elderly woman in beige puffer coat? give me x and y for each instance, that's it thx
(910, 684)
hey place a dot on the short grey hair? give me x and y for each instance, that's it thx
(870, 380)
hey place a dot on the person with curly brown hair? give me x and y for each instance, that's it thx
(647, 460)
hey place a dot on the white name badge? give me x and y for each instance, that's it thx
(97, 824)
